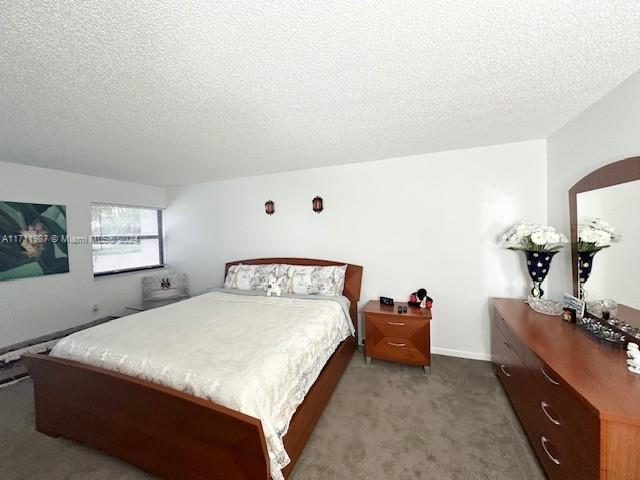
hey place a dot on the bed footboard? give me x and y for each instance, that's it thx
(169, 433)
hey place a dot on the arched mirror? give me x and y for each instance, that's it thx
(605, 237)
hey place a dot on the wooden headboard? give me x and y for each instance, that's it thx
(352, 281)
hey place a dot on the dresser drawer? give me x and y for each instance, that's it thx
(569, 406)
(496, 351)
(565, 451)
(510, 339)
(556, 439)
(396, 349)
(510, 371)
(547, 438)
(563, 418)
(552, 390)
(545, 377)
(551, 450)
(501, 348)
(511, 375)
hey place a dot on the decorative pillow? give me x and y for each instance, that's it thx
(339, 275)
(231, 276)
(281, 270)
(253, 277)
(314, 280)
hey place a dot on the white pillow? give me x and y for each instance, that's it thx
(164, 294)
(253, 277)
(231, 276)
(338, 278)
(315, 280)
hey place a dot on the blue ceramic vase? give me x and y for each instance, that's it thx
(585, 264)
(538, 264)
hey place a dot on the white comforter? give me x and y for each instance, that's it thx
(258, 355)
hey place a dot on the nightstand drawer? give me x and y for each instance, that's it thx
(396, 349)
(395, 326)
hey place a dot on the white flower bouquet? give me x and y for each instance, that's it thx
(595, 235)
(534, 238)
(539, 244)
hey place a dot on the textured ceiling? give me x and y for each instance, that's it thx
(171, 92)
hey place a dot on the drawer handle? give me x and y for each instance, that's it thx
(396, 324)
(504, 370)
(397, 344)
(544, 440)
(544, 405)
(546, 375)
(507, 346)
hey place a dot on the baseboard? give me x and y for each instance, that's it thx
(461, 354)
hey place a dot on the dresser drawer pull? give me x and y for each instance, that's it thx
(544, 440)
(504, 370)
(507, 347)
(396, 324)
(544, 405)
(546, 375)
(394, 344)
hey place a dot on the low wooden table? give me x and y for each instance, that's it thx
(399, 337)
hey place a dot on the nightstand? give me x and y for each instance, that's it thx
(399, 337)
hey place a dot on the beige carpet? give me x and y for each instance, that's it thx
(385, 421)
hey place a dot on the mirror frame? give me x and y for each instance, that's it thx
(622, 171)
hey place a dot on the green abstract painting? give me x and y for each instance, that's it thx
(33, 240)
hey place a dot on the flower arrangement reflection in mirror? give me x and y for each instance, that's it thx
(593, 236)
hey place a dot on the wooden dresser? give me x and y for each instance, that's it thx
(575, 399)
(399, 337)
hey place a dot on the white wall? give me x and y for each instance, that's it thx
(607, 131)
(39, 305)
(421, 221)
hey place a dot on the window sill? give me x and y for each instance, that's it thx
(127, 271)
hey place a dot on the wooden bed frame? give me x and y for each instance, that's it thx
(170, 433)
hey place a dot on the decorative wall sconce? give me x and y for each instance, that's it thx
(269, 207)
(317, 204)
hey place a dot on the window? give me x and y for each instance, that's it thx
(125, 239)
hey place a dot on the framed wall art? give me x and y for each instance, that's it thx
(33, 240)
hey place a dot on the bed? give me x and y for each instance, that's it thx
(174, 434)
